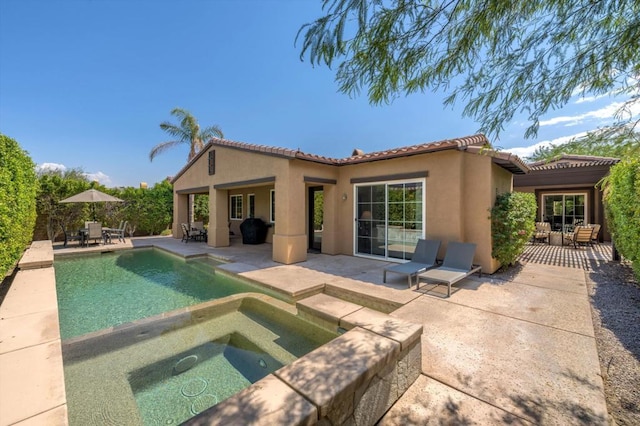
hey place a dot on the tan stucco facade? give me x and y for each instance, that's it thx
(459, 190)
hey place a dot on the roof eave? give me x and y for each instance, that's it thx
(506, 160)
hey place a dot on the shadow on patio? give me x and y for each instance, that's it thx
(586, 258)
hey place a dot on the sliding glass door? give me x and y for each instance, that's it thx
(389, 219)
(564, 211)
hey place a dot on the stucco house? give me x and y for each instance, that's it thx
(566, 190)
(373, 204)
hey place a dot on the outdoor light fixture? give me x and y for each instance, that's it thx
(344, 196)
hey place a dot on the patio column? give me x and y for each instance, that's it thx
(218, 218)
(180, 213)
(290, 237)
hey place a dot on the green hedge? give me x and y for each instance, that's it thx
(18, 187)
(622, 201)
(512, 224)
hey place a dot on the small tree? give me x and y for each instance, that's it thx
(18, 186)
(52, 216)
(622, 201)
(512, 224)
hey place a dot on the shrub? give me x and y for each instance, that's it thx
(622, 206)
(18, 187)
(200, 207)
(148, 211)
(512, 224)
(54, 186)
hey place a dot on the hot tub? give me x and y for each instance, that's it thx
(169, 368)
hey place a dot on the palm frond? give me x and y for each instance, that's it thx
(175, 131)
(161, 147)
(211, 132)
(188, 131)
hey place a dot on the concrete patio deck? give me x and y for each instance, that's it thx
(515, 348)
(511, 348)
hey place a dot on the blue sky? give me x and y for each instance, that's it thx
(85, 84)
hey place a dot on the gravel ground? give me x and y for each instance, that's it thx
(615, 307)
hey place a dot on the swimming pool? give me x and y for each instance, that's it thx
(168, 368)
(98, 291)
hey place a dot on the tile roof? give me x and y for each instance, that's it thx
(476, 142)
(458, 143)
(570, 161)
(506, 160)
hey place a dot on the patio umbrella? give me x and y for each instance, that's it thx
(92, 196)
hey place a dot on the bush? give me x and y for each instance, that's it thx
(52, 215)
(200, 208)
(149, 211)
(512, 224)
(18, 187)
(622, 206)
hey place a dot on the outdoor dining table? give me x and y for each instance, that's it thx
(106, 235)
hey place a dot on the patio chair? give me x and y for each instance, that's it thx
(424, 257)
(595, 231)
(119, 231)
(457, 265)
(580, 235)
(542, 232)
(197, 228)
(189, 235)
(71, 237)
(94, 232)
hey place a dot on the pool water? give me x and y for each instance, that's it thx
(104, 290)
(183, 385)
(168, 368)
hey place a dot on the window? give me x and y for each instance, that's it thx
(252, 205)
(564, 211)
(389, 218)
(272, 209)
(212, 162)
(236, 207)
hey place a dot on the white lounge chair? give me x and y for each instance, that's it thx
(457, 265)
(424, 257)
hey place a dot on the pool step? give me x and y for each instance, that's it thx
(204, 264)
(333, 313)
(325, 310)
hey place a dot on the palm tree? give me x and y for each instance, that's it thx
(188, 131)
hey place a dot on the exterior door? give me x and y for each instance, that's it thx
(564, 211)
(389, 219)
(316, 209)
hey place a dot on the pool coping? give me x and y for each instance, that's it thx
(49, 388)
(30, 344)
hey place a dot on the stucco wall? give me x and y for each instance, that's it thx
(262, 199)
(459, 192)
(231, 166)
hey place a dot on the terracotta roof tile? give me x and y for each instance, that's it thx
(457, 143)
(571, 161)
(462, 143)
(506, 160)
